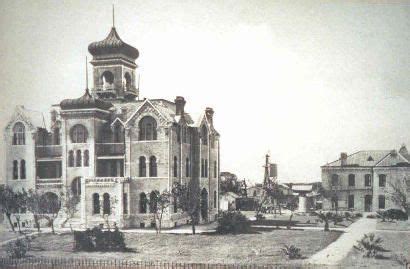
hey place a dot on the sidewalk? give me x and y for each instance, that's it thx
(335, 252)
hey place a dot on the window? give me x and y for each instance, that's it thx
(215, 199)
(382, 201)
(367, 180)
(153, 202)
(106, 204)
(351, 180)
(15, 169)
(206, 168)
(125, 203)
(70, 158)
(86, 158)
(215, 170)
(187, 165)
(204, 135)
(382, 180)
(107, 78)
(19, 134)
(118, 134)
(153, 166)
(350, 201)
(179, 134)
(56, 136)
(127, 78)
(96, 203)
(202, 168)
(78, 158)
(148, 128)
(79, 134)
(142, 167)
(335, 180)
(184, 135)
(175, 166)
(143, 203)
(22, 169)
(76, 186)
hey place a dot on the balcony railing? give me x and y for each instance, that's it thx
(110, 149)
(49, 151)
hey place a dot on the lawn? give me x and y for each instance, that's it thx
(261, 247)
(395, 225)
(396, 243)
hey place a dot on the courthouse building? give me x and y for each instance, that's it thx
(361, 181)
(115, 151)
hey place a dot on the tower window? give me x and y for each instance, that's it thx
(175, 166)
(153, 166)
(204, 135)
(15, 169)
(79, 134)
(22, 169)
(187, 167)
(86, 158)
(107, 79)
(70, 158)
(56, 136)
(148, 128)
(142, 167)
(19, 134)
(78, 158)
(215, 170)
(127, 78)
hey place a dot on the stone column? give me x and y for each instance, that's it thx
(302, 203)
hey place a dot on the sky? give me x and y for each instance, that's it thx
(300, 80)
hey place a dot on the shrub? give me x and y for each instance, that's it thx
(259, 216)
(99, 240)
(233, 222)
(371, 216)
(18, 248)
(370, 245)
(291, 252)
(358, 215)
(400, 258)
(382, 215)
(348, 215)
(396, 214)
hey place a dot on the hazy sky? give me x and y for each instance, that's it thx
(302, 80)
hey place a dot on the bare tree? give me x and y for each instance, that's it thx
(162, 202)
(20, 199)
(34, 205)
(292, 206)
(69, 207)
(398, 195)
(7, 203)
(188, 200)
(51, 205)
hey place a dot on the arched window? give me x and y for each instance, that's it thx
(215, 170)
(206, 168)
(19, 137)
(335, 180)
(187, 167)
(118, 134)
(153, 199)
(107, 79)
(148, 128)
(179, 133)
(143, 203)
(175, 166)
(15, 169)
(70, 158)
(215, 199)
(86, 158)
(78, 158)
(204, 135)
(153, 167)
(22, 169)
(367, 180)
(56, 136)
(106, 204)
(79, 134)
(142, 167)
(96, 203)
(351, 180)
(76, 186)
(127, 78)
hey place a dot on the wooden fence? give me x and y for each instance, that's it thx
(45, 263)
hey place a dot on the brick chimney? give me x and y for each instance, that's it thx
(180, 105)
(343, 158)
(209, 112)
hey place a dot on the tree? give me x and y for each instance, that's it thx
(398, 195)
(50, 206)
(331, 194)
(325, 217)
(229, 183)
(162, 201)
(7, 203)
(69, 207)
(20, 199)
(188, 200)
(292, 206)
(34, 205)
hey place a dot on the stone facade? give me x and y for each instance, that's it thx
(362, 181)
(115, 151)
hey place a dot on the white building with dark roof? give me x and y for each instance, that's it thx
(361, 181)
(115, 151)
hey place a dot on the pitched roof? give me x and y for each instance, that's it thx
(35, 119)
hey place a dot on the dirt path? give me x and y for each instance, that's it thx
(335, 252)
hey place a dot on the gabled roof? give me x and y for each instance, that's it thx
(34, 119)
(392, 159)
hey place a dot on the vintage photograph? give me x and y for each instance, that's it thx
(204, 134)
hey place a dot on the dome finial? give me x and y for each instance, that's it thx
(113, 16)
(86, 73)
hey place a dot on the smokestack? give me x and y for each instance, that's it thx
(209, 112)
(180, 105)
(343, 158)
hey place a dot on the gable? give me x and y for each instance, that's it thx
(147, 109)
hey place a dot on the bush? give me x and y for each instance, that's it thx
(371, 216)
(370, 245)
(99, 240)
(348, 215)
(396, 214)
(400, 259)
(18, 248)
(291, 252)
(358, 215)
(233, 222)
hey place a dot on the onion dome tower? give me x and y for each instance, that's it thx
(114, 68)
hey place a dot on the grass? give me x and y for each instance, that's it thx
(396, 243)
(394, 225)
(257, 248)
